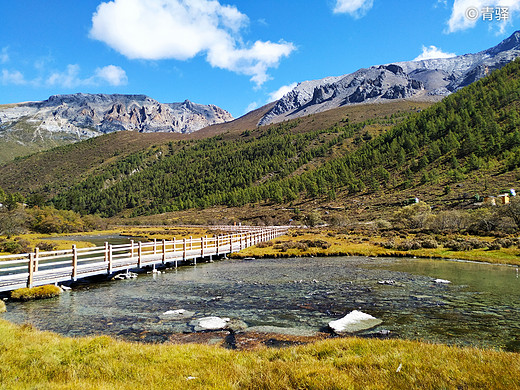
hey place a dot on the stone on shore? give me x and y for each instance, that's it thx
(3, 309)
(355, 321)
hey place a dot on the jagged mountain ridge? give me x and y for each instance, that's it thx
(26, 128)
(87, 115)
(430, 79)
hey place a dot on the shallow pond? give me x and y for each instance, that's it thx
(98, 239)
(479, 307)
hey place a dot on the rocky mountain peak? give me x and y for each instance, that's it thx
(78, 116)
(425, 79)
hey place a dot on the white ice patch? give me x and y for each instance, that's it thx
(353, 322)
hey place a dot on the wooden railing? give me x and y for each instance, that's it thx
(50, 267)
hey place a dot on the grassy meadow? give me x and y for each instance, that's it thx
(32, 359)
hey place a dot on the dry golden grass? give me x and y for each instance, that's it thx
(365, 245)
(38, 360)
(40, 292)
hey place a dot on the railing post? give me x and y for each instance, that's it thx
(109, 259)
(106, 252)
(155, 246)
(36, 258)
(217, 243)
(202, 247)
(231, 242)
(163, 251)
(74, 263)
(31, 270)
(139, 254)
(184, 249)
(132, 251)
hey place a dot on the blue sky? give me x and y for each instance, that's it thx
(235, 54)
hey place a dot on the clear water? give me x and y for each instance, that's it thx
(480, 307)
(98, 239)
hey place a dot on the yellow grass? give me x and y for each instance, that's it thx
(340, 244)
(40, 292)
(36, 360)
(364, 245)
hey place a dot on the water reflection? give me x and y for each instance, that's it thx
(478, 308)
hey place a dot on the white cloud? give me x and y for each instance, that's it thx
(356, 8)
(12, 77)
(70, 78)
(112, 74)
(432, 52)
(182, 29)
(4, 56)
(280, 92)
(466, 13)
(250, 107)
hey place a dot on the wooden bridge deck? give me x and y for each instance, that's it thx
(40, 268)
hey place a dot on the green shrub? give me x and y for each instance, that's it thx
(45, 246)
(18, 245)
(41, 292)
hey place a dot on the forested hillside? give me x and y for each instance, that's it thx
(475, 129)
(470, 140)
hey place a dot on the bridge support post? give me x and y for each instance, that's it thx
(109, 259)
(184, 249)
(163, 251)
(139, 254)
(132, 251)
(36, 258)
(106, 252)
(74, 263)
(31, 270)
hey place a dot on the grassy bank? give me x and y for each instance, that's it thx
(32, 359)
(330, 242)
(324, 242)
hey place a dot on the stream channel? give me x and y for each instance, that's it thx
(480, 307)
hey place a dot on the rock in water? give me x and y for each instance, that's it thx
(354, 322)
(442, 281)
(178, 314)
(209, 323)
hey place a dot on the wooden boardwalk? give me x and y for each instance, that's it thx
(40, 268)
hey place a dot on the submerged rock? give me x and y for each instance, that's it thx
(283, 331)
(178, 314)
(125, 276)
(354, 322)
(235, 325)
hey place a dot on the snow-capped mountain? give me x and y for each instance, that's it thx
(425, 79)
